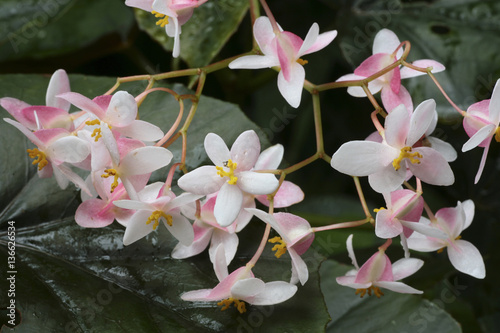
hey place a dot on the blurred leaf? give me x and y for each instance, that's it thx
(75, 279)
(206, 32)
(392, 312)
(39, 29)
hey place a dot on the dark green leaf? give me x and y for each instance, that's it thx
(206, 32)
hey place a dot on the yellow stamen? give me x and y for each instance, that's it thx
(406, 153)
(232, 166)
(155, 216)
(376, 210)
(163, 19)
(97, 131)
(39, 157)
(225, 303)
(280, 248)
(302, 61)
(111, 172)
(376, 291)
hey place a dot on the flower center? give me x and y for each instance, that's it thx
(442, 249)
(406, 153)
(232, 166)
(225, 303)
(302, 61)
(111, 172)
(156, 215)
(280, 248)
(376, 291)
(39, 157)
(97, 131)
(163, 19)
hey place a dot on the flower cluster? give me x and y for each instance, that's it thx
(119, 152)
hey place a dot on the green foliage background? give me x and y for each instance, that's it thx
(74, 279)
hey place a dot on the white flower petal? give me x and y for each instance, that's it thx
(245, 150)
(494, 107)
(481, 135)
(216, 149)
(444, 148)
(203, 180)
(398, 287)
(220, 263)
(292, 89)
(245, 288)
(467, 259)
(468, 207)
(230, 242)
(270, 158)
(406, 267)
(69, 149)
(386, 41)
(254, 62)
(145, 160)
(362, 158)
(180, 228)
(350, 251)
(420, 121)
(311, 37)
(59, 84)
(142, 130)
(257, 183)
(228, 204)
(137, 227)
(275, 292)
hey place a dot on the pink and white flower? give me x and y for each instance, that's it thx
(172, 15)
(232, 175)
(386, 164)
(386, 51)
(241, 286)
(284, 49)
(296, 236)
(481, 123)
(451, 221)
(157, 203)
(378, 272)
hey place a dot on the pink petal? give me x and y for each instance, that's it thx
(83, 103)
(92, 214)
(467, 259)
(377, 268)
(287, 195)
(13, 106)
(386, 226)
(391, 100)
(48, 117)
(373, 64)
(395, 80)
(321, 42)
(294, 228)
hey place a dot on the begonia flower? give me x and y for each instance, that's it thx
(232, 175)
(157, 203)
(378, 272)
(284, 49)
(55, 148)
(481, 123)
(117, 112)
(208, 231)
(54, 114)
(295, 236)
(386, 51)
(386, 164)
(172, 15)
(451, 221)
(241, 286)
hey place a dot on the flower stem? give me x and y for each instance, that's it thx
(362, 199)
(342, 225)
